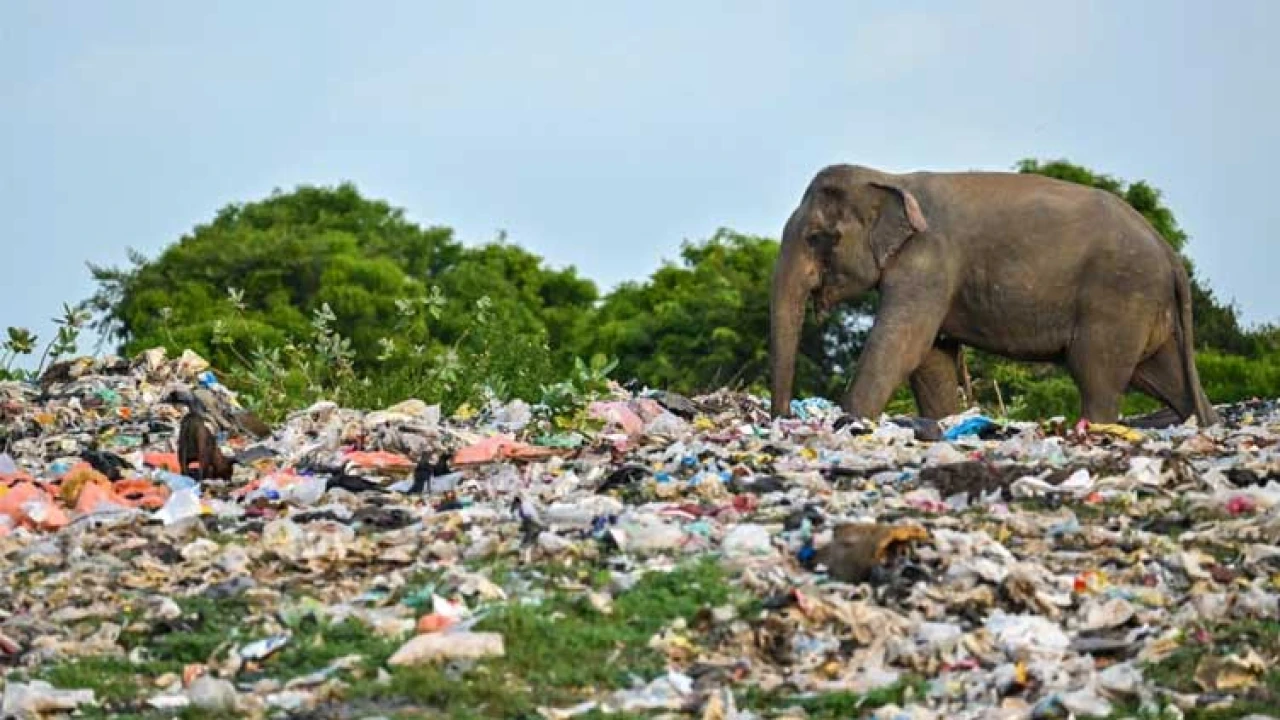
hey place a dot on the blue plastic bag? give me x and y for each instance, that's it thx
(972, 426)
(810, 407)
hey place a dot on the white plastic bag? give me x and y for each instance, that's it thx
(182, 505)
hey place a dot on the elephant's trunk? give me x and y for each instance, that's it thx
(794, 278)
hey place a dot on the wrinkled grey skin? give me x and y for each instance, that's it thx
(1023, 266)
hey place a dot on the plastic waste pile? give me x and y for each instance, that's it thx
(997, 569)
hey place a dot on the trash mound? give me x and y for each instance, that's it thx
(360, 563)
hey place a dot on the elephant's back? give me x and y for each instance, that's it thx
(1036, 252)
(999, 212)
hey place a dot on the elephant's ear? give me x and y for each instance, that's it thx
(900, 217)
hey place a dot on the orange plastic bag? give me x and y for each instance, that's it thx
(164, 461)
(138, 493)
(30, 506)
(379, 459)
(433, 623)
(97, 497)
(497, 447)
(283, 478)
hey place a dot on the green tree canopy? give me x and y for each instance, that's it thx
(530, 297)
(704, 323)
(259, 271)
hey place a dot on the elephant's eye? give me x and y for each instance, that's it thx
(823, 245)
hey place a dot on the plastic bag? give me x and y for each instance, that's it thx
(667, 692)
(428, 648)
(174, 481)
(666, 425)
(747, 540)
(283, 537)
(812, 408)
(182, 505)
(38, 699)
(1028, 638)
(618, 414)
(647, 535)
(973, 426)
(305, 491)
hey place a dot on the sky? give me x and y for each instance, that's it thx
(602, 135)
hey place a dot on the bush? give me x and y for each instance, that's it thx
(1034, 392)
(492, 358)
(1231, 378)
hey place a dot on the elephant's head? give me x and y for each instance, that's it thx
(835, 246)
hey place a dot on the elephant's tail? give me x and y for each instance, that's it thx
(1203, 410)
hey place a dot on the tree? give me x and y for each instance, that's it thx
(323, 292)
(527, 295)
(276, 261)
(704, 323)
(258, 273)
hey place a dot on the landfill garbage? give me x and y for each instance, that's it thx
(448, 646)
(1232, 672)
(925, 429)
(208, 693)
(747, 539)
(856, 550)
(262, 648)
(38, 699)
(973, 426)
(969, 568)
(668, 692)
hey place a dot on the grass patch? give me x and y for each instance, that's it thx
(579, 573)
(835, 705)
(205, 627)
(114, 680)
(315, 646)
(1100, 510)
(1177, 671)
(120, 686)
(559, 652)
(562, 651)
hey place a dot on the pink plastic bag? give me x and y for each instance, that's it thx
(619, 414)
(499, 447)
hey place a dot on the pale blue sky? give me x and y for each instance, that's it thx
(602, 134)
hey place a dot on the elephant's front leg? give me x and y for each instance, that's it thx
(900, 340)
(935, 383)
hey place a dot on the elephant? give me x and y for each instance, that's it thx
(1023, 266)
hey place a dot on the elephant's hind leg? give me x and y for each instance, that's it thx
(1102, 360)
(936, 381)
(1161, 376)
